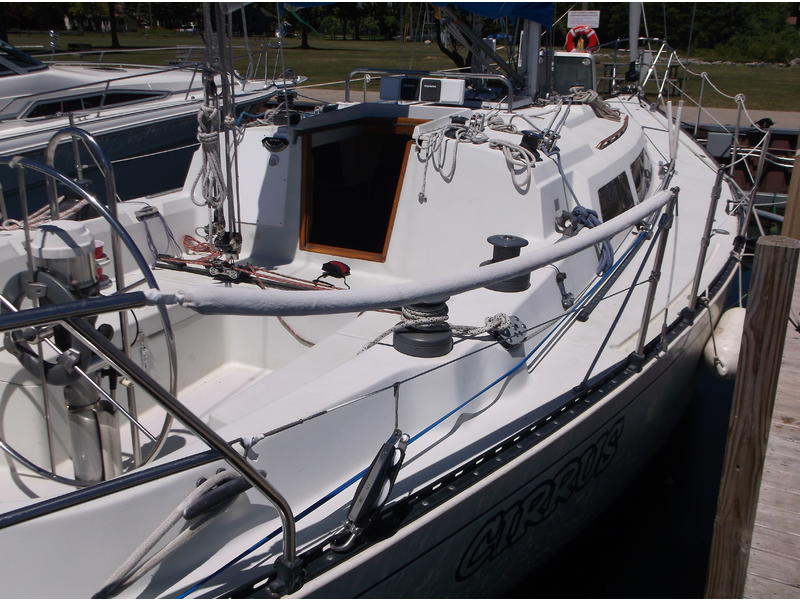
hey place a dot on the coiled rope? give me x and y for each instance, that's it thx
(210, 177)
(432, 149)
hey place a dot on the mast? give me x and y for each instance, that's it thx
(219, 175)
(634, 19)
(532, 36)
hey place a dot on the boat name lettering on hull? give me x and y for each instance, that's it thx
(507, 526)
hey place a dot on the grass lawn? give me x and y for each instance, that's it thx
(768, 88)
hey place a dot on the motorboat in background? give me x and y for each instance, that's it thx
(145, 117)
(409, 342)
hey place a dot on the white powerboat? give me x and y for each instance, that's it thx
(406, 344)
(145, 117)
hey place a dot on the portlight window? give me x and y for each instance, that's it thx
(642, 175)
(615, 197)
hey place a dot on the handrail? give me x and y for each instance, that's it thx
(100, 82)
(151, 70)
(35, 317)
(369, 71)
(123, 51)
(83, 374)
(618, 41)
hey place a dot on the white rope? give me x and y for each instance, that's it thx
(432, 148)
(739, 99)
(528, 121)
(600, 107)
(42, 216)
(496, 123)
(519, 160)
(134, 567)
(210, 175)
(497, 322)
(747, 114)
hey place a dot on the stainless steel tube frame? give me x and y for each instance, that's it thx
(33, 317)
(655, 274)
(494, 76)
(706, 239)
(84, 374)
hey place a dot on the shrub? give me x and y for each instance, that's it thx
(775, 46)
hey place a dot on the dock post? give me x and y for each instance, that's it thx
(763, 338)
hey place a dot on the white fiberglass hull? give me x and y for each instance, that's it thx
(498, 528)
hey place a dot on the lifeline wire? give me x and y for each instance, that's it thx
(333, 493)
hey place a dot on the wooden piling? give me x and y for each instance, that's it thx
(763, 338)
(791, 217)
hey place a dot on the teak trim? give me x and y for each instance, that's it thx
(399, 126)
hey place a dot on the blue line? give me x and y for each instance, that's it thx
(333, 493)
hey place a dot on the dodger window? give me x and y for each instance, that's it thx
(352, 179)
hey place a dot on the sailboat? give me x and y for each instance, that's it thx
(397, 348)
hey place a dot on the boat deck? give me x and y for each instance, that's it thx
(774, 567)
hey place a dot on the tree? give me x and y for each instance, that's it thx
(27, 15)
(112, 19)
(306, 20)
(3, 21)
(88, 15)
(173, 15)
(714, 23)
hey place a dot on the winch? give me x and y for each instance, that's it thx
(64, 269)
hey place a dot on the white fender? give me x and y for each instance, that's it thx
(727, 338)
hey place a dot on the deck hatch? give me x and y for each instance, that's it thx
(352, 176)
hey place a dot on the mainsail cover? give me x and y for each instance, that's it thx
(541, 12)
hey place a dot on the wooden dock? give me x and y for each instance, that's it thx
(773, 570)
